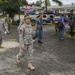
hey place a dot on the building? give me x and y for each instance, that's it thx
(62, 9)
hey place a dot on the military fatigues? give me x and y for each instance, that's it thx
(2, 29)
(25, 38)
(8, 22)
(21, 23)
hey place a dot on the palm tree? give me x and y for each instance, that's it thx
(39, 3)
(56, 1)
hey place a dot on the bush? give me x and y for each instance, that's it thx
(67, 34)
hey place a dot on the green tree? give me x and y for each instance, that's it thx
(12, 7)
(38, 3)
(48, 3)
(56, 1)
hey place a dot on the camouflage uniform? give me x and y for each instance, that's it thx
(2, 29)
(25, 38)
(21, 23)
(8, 22)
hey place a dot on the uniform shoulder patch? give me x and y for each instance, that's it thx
(22, 27)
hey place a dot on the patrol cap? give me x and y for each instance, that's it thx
(27, 17)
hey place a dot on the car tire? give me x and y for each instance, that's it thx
(44, 21)
(33, 21)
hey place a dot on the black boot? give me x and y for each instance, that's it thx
(40, 42)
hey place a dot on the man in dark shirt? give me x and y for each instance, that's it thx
(71, 23)
(61, 29)
(39, 28)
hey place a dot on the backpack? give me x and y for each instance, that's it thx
(58, 22)
(56, 19)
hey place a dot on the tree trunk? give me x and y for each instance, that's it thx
(46, 5)
(19, 17)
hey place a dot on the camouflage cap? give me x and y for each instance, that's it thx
(27, 17)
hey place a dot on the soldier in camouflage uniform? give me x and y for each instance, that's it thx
(8, 22)
(26, 41)
(22, 21)
(2, 30)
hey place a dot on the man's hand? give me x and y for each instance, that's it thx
(35, 27)
(23, 47)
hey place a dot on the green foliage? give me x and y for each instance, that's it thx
(67, 35)
(58, 2)
(38, 3)
(12, 7)
(48, 3)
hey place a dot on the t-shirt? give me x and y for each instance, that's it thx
(62, 20)
(39, 23)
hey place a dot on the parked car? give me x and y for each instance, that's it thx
(52, 17)
(30, 12)
(46, 18)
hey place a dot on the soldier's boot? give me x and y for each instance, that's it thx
(40, 42)
(31, 67)
(17, 59)
(1, 46)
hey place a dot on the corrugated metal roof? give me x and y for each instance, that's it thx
(67, 6)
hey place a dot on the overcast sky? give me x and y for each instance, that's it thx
(64, 1)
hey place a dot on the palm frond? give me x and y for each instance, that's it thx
(58, 2)
(48, 3)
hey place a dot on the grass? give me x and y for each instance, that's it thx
(43, 23)
(17, 23)
(67, 35)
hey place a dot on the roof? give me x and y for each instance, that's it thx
(67, 6)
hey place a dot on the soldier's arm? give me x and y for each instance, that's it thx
(4, 27)
(20, 24)
(10, 20)
(36, 24)
(21, 38)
